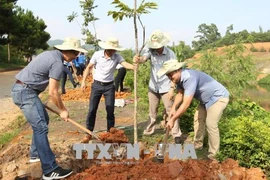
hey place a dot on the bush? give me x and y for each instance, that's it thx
(253, 49)
(245, 135)
(262, 49)
(265, 80)
(247, 140)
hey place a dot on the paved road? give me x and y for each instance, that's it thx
(6, 81)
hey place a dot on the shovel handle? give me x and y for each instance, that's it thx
(74, 123)
(165, 140)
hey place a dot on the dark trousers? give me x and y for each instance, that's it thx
(64, 79)
(80, 69)
(96, 92)
(119, 79)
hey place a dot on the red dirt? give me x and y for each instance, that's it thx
(114, 136)
(176, 169)
(78, 94)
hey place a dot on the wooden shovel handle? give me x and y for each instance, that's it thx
(165, 140)
(74, 123)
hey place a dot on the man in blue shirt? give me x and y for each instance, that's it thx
(213, 98)
(44, 70)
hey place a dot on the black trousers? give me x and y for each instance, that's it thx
(97, 91)
(66, 72)
(119, 79)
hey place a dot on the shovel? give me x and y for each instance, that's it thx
(75, 123)
(160, 157)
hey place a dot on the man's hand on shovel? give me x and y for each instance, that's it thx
(170, 124)
(73, 122)
(64, 115)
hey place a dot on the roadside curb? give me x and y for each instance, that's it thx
(10, 69)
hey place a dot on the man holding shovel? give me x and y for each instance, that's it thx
(45, 70)
(159, 87)
(213, 98)
(105, 62)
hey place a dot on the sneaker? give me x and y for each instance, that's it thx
(34, 159)
(58, 173)
(149, 131)
(86, 139)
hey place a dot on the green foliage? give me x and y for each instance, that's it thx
(143, 73)
(207, 37)
(244, 108)
(3, 53)
(7, 20)
(13, 130)
(29, 34)
(186, 121)
(253, 49)
(127, 54)
(246, 139)
(89, 18)
(16, 59)
(125, 11)
(182, 51)
(265, 80)
(234, 70)
(245, 134)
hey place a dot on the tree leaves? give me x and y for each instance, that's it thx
(125, 11)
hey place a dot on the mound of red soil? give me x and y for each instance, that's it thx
(183, 170)
(114, 136)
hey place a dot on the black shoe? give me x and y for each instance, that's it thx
(179, 140)
(58, 173)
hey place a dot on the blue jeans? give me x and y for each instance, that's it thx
(97, 91)
(34, 111)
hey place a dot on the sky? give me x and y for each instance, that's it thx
(180, 19)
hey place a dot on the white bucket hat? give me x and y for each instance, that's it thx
(71, 44)
(170, 66)
(111, 43)
(158, 39)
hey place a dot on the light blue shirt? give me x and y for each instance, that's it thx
(156, 83)
(104, 68)
(204, 88)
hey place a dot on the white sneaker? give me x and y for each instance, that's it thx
(34, 159)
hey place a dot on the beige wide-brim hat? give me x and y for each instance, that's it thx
(158, 39)
(71, 44)
(111, 43)
(170, 66)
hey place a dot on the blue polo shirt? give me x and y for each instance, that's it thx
(204, 88)
(156, 83)
(36, 74)
(104, 68)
